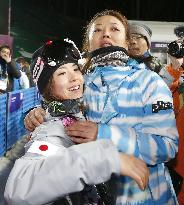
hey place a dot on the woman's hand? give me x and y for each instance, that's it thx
(6, 57)
(82, 131)
(134, 168)
(34, 118)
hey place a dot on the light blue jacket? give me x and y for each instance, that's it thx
(133, 108)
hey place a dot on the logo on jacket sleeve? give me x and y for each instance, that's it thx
(161, 105)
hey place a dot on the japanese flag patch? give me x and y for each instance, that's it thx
(43, 148)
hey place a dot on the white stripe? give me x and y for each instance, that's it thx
(39, 72)
(38, 69)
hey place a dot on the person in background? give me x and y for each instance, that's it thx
(9, 71)
(140, 44)
(48, 171)
(173, 75)
(128, 104)
(25, 67)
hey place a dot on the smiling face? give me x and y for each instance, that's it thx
(107, 31)
(67, 82)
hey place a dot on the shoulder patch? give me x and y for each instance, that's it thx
(43, 148)
(161, 105)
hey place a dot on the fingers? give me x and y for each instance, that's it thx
(141, 174)
(80, 137)
(135, 168)
(142, 177)
(77, 133)
(34, 118)
(39, 115)
(82, 131)
(78, 140)
(28, 125)
(6, 57)
(78, 125)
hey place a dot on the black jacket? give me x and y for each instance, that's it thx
(11, 71)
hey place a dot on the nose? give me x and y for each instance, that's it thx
(106, 33)
(133, 41)
(73, 76)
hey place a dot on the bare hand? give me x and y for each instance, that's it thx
(34, 118)
(134, 168)
(176, 62)
(82, 131)
(6, 57)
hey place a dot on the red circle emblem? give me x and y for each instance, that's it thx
(43, 147)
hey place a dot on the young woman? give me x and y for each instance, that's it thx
(48, 171)
(128, 104)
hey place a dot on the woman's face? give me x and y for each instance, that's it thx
(107, 31)
(67, 82)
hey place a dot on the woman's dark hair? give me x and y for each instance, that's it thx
(48, 90)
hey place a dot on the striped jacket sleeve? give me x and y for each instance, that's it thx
(153, 137)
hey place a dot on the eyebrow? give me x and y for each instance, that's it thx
(66, 67)
(110, 23)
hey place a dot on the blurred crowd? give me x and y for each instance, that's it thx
(14, 73)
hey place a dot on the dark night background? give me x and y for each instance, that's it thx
(34, 21)
(147, 10)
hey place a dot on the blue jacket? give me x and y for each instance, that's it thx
(133, 108)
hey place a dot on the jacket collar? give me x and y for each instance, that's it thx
(111, 76)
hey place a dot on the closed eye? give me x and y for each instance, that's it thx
(61, 73)
(77, 69)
